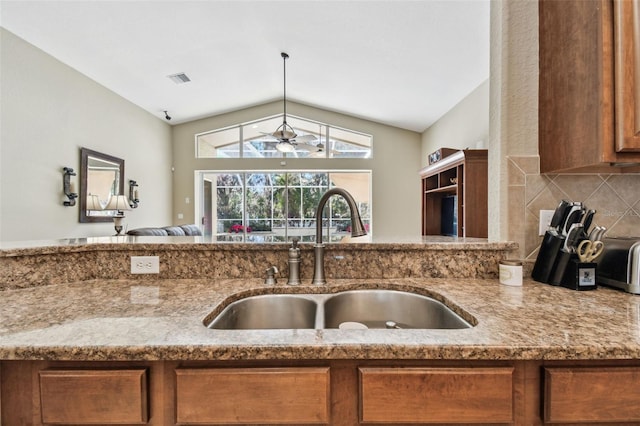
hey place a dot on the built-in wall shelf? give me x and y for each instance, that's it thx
(454, 195)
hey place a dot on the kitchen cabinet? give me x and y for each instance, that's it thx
(454, 195)
(436, 395)
(589, 86)
(259, 395)
(93, 396)
(335, 392)
(591, 394)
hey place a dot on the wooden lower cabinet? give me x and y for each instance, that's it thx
(93, 396)
(591, 394)
(436, 395)
(252, 395)
(331, 392)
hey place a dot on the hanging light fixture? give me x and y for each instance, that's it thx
(288, 140)
(284, 133)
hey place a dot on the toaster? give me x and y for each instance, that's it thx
(619, 264)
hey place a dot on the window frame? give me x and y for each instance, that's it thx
(324, 136)
(245, 174)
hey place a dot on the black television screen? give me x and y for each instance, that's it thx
(449, 215)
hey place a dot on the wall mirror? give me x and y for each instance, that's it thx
(101, 176)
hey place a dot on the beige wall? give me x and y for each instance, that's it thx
(395, 164)
(466, 125)
(513, 98)
(48, 112)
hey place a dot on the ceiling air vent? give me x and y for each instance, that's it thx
(179, 78)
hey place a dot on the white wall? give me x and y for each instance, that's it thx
(395, 164)
(48, 111)
(466, 125)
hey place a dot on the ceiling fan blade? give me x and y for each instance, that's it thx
(305, 138)
(307, 147)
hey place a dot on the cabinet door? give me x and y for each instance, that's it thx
(436, 395)
(252, 395)
(627, 74)
(592, 394)
(105, 397)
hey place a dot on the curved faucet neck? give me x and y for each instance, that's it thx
(357, 228)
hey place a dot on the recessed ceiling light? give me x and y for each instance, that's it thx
(179, 78)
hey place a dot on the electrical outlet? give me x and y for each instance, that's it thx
(145, 264)
(545, 221)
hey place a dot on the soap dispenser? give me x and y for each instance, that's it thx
(294, 263)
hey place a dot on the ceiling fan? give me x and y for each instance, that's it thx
(288, 140)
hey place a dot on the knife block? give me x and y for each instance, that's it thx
(547, 255)
(580, 275)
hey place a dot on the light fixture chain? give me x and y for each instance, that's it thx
(284, 65)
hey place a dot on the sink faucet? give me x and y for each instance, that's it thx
(357, 230)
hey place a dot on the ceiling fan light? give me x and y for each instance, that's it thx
(284, 134)
(284, 146)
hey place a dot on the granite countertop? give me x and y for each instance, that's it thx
(163, 320)
(38, 247)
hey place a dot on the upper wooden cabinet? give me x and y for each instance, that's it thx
(589, 97)
(626, 20)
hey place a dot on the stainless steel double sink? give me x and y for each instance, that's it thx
(370, 308)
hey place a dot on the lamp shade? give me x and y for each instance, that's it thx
(118, 202)
(93, 202)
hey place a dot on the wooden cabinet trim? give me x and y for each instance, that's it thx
(591, 394)
(79, 396)
(434, 395)
(297, 395)
(627, 74)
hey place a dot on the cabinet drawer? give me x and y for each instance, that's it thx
(431, 395)
(592, 394)
(252, 395)
(94, 396)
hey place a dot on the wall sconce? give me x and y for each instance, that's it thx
(119, 204)
(133, 194)
(68, 187)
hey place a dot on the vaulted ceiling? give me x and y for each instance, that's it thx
(402, 63)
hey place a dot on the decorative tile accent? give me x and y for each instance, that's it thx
(615, 197)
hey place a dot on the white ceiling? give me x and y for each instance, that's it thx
(402, 63)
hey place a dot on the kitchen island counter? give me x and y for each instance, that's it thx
(97, 320)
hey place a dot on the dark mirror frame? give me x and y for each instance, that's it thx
(85, 153)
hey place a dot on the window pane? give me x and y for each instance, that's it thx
(219, 144)
(312, 141)
(228, 180)
(259, 202)
(347, 144)
(294, 203)
(229, 209)
(258, 129)
(280, 206)
(229, 203)
(311, 198)
(261, 148)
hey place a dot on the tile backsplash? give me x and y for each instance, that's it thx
(615, 197)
